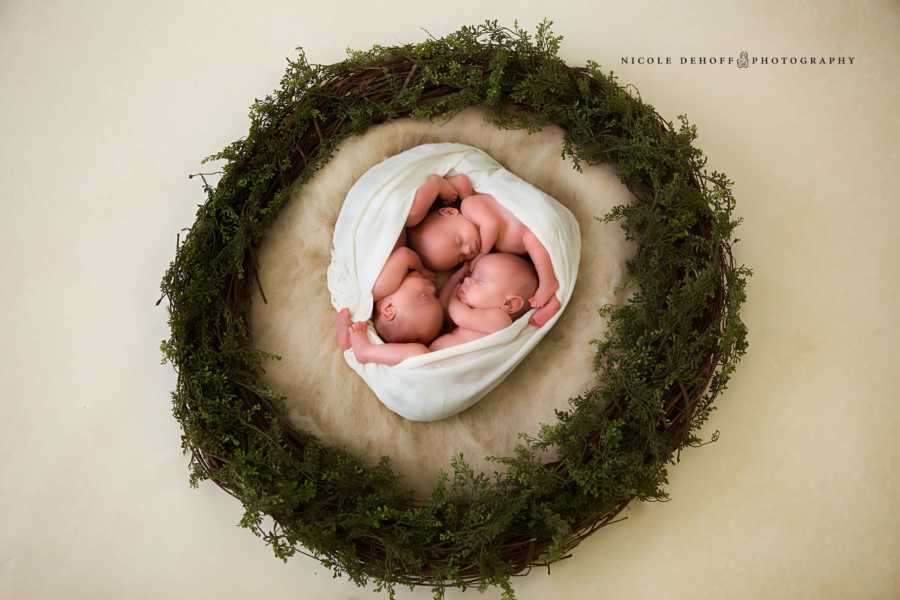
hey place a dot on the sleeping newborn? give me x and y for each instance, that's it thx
(486, 295)
(407, 313)
(449, 236)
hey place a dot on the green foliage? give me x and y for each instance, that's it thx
(613, 442)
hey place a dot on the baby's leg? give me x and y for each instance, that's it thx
(547, 283)
(543, 314)
(455, 338)
(383, 354)
(342, 329)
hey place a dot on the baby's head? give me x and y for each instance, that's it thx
(444, 239)
(411, 314)
(500, 280)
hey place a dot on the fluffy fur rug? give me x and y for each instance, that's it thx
(326, 398)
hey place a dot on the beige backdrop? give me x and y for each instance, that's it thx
(106, 107)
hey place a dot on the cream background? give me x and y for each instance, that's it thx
(106, 107)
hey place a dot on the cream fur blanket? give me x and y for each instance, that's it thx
(327, 399)
(443, 383)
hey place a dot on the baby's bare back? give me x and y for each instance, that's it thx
(510, 231)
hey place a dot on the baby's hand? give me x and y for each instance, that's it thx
(431, 275)
(461, 184)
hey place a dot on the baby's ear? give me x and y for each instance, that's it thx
(513, 304)
(387, 311)
(448, 211)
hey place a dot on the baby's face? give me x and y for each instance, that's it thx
(417, 303)
(489, 284)
(445, 239)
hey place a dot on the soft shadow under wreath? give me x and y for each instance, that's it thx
(669, 351)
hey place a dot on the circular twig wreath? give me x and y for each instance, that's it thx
(670, 350)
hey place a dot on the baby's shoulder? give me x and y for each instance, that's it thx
(479, 200)
(479, 206)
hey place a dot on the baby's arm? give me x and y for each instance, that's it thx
(547, 283)
(485, 320)
(488, 230)
(383, 354)
(398, 264)
(427, 193)
(477, 209)
(449, 289)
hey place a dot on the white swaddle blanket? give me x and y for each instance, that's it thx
(433, 386)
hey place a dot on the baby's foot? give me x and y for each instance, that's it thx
(543, 314)
(341, 328)
(461, 184)
(543, 294)
(359, 340)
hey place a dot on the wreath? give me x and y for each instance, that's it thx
(668, 353)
